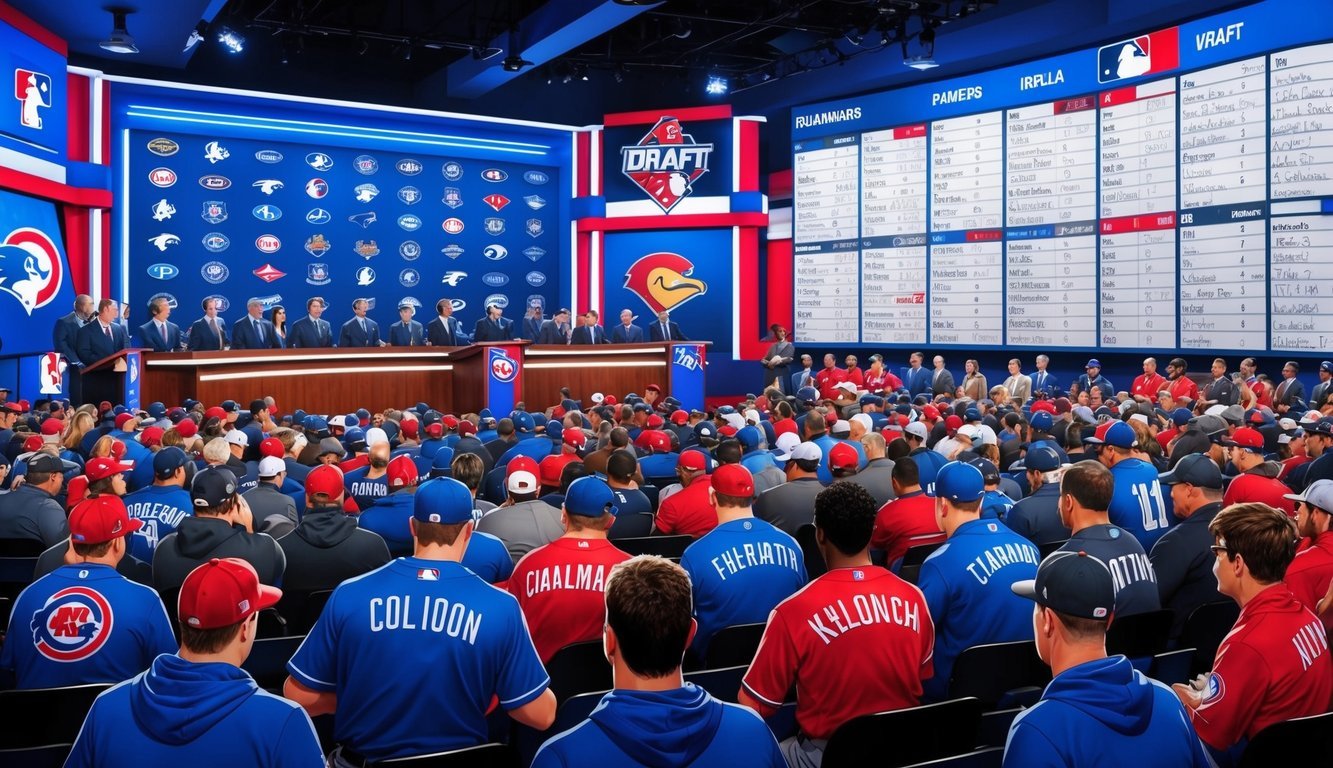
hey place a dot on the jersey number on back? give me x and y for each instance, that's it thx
(1151, 505)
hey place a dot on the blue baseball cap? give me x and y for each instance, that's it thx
(442, 500)
(749, 436)
(1181, 416)
(590, 497)
(168, 460)
(443, 458)
(1094, 363)
(355, 435)
(972, 414)
(554, 428)
(157, 410)
(957, 481)
(1042, 458)
(1116, 433)
(807, 394)
(1042, 421)
(705, 429)
(1073, 583)
(523, 421)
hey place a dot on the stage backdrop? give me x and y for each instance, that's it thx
(239, 219)
(35, 290)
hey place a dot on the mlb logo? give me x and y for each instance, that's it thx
(494, 226)
(50, 372)
(33, 91)
(1138, 56)
(428, 574)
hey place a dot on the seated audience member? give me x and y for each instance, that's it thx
(31, 511)
(790, 505)
(327, 547)
(1182, 558)
(909, 519)
(524, 522)
(688, 512)
(1310, 575)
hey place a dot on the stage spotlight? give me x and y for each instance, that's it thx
(231, 41)
(717, 85)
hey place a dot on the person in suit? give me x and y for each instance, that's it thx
(406, 332)
(532, 322)
(493, 327)
(445, 330)
(101, 338)
(207, 333)
(664, 329)
(941, 382)
(627, 332)
(807, 374)
(590, 332)
(159, 334)
(311, 331)
(1019, 384)
(63, 339)
(278, 316)
(1321, 390)
(360, 331)
(915, 377)
(1291, 390)
(253, 331)
(556, 330)
(777, 360)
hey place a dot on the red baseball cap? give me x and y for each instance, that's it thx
(326, 480)
(123, 418)
(215, 412)
(150, 437)
(410, 427)
(679, 417)
(402, 471)
(930, 412)
(101, 519)
(655, 422)
(1246, 437)
(843, 456)
(727, 430)
(271, 446)
(33, 443)
(573, 436)
(187, 428)
(652, 388)
(657, 440)
(693, 461)
(117, 450)
(558, 412)
(550, 472)
(223, 592)
(101, 468)
(1044, 405)
(52, 427)
(609, 400)
(450, 421)
(732, 480)
(521, 475)
(952, 424)
(466, 427)
(434, 430)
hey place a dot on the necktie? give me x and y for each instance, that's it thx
(107, 330)
(665, 333)
(213, 323)
(363, 326)
(163, 328)
(259, 331)
(449, 334)
(1282, 388)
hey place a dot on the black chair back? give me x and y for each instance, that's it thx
(1303, 741)
(21, 548)
(920, 733)
(302, 609)
(16, 574)
(631, 526)
(1140, 635)
(490, 755)
(267, 662)
(579, 668)
(44, 716)
(981, 758)
(662, 546)
(814, 559)
(1204, 630)
(734, 645)
(721, 684)
(988, 672)
(910, 569)
(45, 756)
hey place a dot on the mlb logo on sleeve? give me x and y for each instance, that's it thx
(1138, 56)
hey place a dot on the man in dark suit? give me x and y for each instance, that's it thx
(493, 327)
(664, 329)
(556, 330)
(941, 381)
(590, 332)
(64, 337)
(101, 338)
(627, 332)
(532, 323)
(406, 332)
(360, 331)
(159, 334)
(445, 330)
(311, 331)
(253, 331)
(207, 334)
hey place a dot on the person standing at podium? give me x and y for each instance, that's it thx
(253, 331)
(159, 334)
(360, 331)
(311, 331)
(207, 333)
(664, 329)
(406, 332)
(64, 339)
(493, 327)
(445, 330)
(99, 339)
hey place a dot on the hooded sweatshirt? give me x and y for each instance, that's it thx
(659, 729)
(328, 547)
(182, 713)
(1260, 483)
(199, 539)
(1104, 713)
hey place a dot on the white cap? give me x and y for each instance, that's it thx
(849, 386)
(299, 442)
(734, 419)
(987, 435)
(969, 431)
(271, 466)
(375, 435)
(237, 437)
(785, 442)
(1140, 418)
(522, 481)
(597, 397)
(864, 420)
(807, 452)
(338, 421)
(752, 416)
(918, 429)
(840, 427)
(1216, 410)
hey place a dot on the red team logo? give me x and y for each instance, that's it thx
(663, 281)
(503, 367)
(30, 268)
(73, 625)
(665, 163)
(496, 201)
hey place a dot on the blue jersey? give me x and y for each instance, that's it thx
(966, 583)
(1131, 570)
(929, 463)
(683, 726)
(1138, 504)
(364, 490)
(389, 517)
(488, 557)
(466, 640)
(84, 623)
(995, 505)
(740, 571)
(758, 461)
(161, 508)
(659, 465)
(183, 713)
(826, 443)
(535, 448)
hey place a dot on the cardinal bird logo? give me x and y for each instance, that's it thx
(665, 163)
(663, 281)
(30, 268)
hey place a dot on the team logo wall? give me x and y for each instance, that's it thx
(216, 242)
(161, 271)
(317, 188)
(163, 147)
(267, 212)
(269, 186)
(408, 167)
(364, 219)
(162, 210)
(366, 192)
(496, 201)
(503, 367)
(266, 302)
(535, 279)
(498, 299)
(663, 282)
(269, 156)
(453, 278)
(495, 279)
(534, 227)
(536, 177)
(215, 152)
(164, 240)
(495, 252)
(30, 268)
(33, 90)
(410, 250)
(213, 181)
(73, 625)
(409, 195)
(365, 276)
(665, 163)
(319, 161)
(535, 202)
(366, 249)
(453, 197)
(409, 278)
(409, 223)
(366, 165)
(269, 273)
(318, 216)
(317, 274)
(494, 226)
(452, 226)
(268, 244)
(452, 250)
(51, 374)
(215, 212)
(223, 302)
(452, 171)
(1138, 56)
(534, 253)
(494, 175)
(214, 272)
(162, 177)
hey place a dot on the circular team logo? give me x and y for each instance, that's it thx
(410, 250)
(224, 303)
(162, 177)
(498, 299)
(366, 165)
(452, 171)
(452, 226)
(215, 272)
(73, 625)
(171, 300)
(409, 278)
(317, 188)
(495, 279)
(34, 272)
(503, 367)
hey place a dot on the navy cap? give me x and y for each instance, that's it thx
(168, 460)
(807, 394)
(45, 462)
(1181, 416)
(1042, 458)
(157, 410)
(1322, 427)
(1195, 469)
(1073, 583)
(989, 472)
(874, 400)
(212, 487)
(705, 429)
(554, 428)
(355, 436)
(972, 414)
(590, 497)
(1042, 421)
(961, 482)
(1094, 363)
(230, 406)
(442, 500)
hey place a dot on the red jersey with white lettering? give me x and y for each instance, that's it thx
(561, 588)
(904, 522)
(827, 379)
(1252, 486)
(1274, 665)
(854, 641)
(1309, 574)
(688, 511)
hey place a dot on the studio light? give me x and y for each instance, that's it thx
(717, 85)
(515, 63)
(921, 62)
(231, 41)
(120, 40)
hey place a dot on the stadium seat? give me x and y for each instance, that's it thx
(631, 526)
(1303, 741)
(994, 728)
(267, 662)
(814, 559)
(1172, 666)
(1204, 630)
(910, 568)
(733, 645)
(6, 605)
(16, 574)
(572, 711)
(271, 624)
(1048, 547)
(491, 755)
(981, 758)
(45, 756)
(723, 684)
(661, 481)
(1140, 635)
(43, 716)
(662, 546)
(21, 548)
(579, 668)
(920, 733)
(989, 672)
(301, 609)
(783, 722)
(651, 491)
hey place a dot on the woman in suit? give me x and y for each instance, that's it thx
(278, 316)
(777, 360)
(974, 382)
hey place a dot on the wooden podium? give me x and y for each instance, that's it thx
(115, 378)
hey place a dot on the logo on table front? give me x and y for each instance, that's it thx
(216, 242)
(317, 245)
(504, 369)
(30, 268)
(665, 163)
(663, 282)
(215, 212)
(163, 147)
(319, 161)
(162, 210)
(268, 186)
(72, 625)
(162, 271)
(269, 273)
(687, 358)
(214, 272)
(162, 177)
(366, 165)
(408, 167)
(51, 373)
(215, 152)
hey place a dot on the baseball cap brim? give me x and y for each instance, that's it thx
(1025, 588)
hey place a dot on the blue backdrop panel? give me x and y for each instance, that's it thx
(35, 284)
(240, 219)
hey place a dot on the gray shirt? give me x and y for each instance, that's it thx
(790, 505)
(31, 513)
(876, 478)
(524, 526)
(274, 512)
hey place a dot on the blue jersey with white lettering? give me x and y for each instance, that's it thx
(84, 623)
(1138, 503)
(740, 571)
(995, 505)
(1131, 570)
(364, 490)
(966, 583)
(466, 642)
(488, 557)
(161, 508)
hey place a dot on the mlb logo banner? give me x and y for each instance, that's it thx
(33, 90)
(504, 378)
(133, 371)
(1148, 54)
(34, 119)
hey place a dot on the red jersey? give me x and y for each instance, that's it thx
(1183, 387)
(857, 377)
(1289, 464)
(356, 462)
(1274, 665)
(561, 588)
(854, 641)
(1309, 574)
(900, 520)
(688, 511)
(1263, 394)
(827, 379)
(1165, 437)
(1249, 486)
(1148, 385)
(882, 382)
